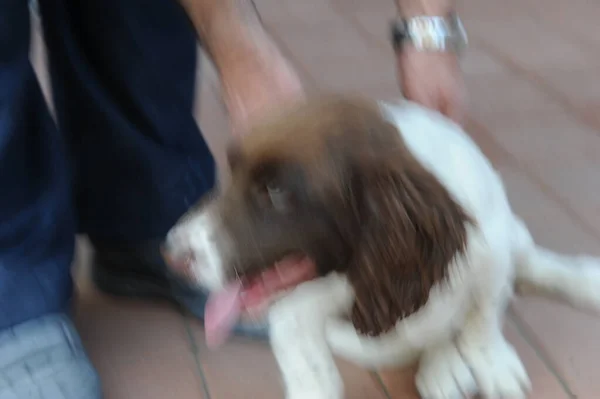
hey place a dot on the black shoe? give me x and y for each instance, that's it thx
(140, 272)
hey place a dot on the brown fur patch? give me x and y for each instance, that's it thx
(359, 202)
(411, 232)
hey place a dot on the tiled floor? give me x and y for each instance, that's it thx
(533, 73)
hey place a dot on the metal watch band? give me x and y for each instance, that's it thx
(430, 33)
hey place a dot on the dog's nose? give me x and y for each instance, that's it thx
(179, 262)
(177, 253)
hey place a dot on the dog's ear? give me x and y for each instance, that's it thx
(411, 231)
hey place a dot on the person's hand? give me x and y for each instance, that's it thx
(433, 80)
(259, 83)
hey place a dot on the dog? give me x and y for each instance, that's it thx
(393, 240)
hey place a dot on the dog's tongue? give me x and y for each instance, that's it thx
(223, 309)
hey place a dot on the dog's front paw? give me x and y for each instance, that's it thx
(497, 369)
(444, 374)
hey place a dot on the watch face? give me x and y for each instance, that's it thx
(431, 33)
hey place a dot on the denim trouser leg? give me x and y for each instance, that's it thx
(36, 220)
(41, 356)
(123, 75)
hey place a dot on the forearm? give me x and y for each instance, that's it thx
(230, 30)
(410, 8)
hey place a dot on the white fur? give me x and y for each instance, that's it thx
(198, 233)
(297, 331)
(458, 332)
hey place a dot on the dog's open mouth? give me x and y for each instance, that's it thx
(252, 294)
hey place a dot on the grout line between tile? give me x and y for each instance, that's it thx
(196, 354)
(533, 178)
(289, 55)
(527, 333)
(533, 12)
(540, 82)
(353, 20)
(381, 384)
(583, 42)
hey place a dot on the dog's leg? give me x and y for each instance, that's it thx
(480, 360)
(297, 331)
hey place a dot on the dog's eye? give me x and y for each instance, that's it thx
(279, 197)
(273, 189)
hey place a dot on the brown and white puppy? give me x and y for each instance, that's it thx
(415, 245)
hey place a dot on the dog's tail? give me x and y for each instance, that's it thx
(574, 280)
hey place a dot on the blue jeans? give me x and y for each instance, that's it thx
(125, 159)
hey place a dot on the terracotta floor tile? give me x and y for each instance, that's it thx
(359, 383)
(210, 112)
(375, 21)
(563, 152)
(545, 139)
(497, 97)
(385, 91)
(570, 340)
(519, 39)
(544, 384)
(338, 73)
(400, 383)
(308, 10)
(243, 369)
(322, 39)
(548, 222)
(578, 185)
(296, 13)
(141, 350)
(482, 137)
(566, 336)
(371, 5)
(580, 86)
(591, 114)
(491, 11)
(271, 11)
(334, 64)
(477, 61)
(579, 18)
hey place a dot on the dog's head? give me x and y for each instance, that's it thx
(331, 180)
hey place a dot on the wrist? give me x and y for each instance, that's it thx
(238, 47)
(414, 8)
(411, 55)
(230, 30)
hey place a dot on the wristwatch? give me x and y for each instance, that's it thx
(430, 33)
